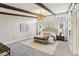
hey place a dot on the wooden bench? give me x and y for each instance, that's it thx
(41, 39)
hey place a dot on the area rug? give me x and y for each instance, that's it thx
(48, 49)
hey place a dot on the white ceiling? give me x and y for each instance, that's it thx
(57, 7)
(54, 7)
(30, 7)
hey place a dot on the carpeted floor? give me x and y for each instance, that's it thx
(62, 50)
(18, 49)
(48, 49)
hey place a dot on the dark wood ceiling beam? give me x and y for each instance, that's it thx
(17, 9)
(12, 14)
(44, 7)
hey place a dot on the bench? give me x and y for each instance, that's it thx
(41, 39)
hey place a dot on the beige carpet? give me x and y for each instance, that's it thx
(48, 49)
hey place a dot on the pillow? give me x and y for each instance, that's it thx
(51, 40)
(46, 33)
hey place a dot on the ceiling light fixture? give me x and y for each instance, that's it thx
(40, 17)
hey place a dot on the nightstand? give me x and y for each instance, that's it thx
(60, 38)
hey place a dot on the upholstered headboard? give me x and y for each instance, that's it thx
(48, 30)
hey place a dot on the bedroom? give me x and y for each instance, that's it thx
(20, 23)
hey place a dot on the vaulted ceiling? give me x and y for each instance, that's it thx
(34, 9)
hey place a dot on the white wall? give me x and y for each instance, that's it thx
(62, 18)
(9, 28)
(57, 19)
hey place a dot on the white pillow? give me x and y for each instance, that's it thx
(51, 40)
(53, 34)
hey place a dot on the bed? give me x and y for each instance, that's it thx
(51, 36)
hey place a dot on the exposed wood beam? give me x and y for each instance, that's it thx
(17, 9)
(44, 7)
(12, 14)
